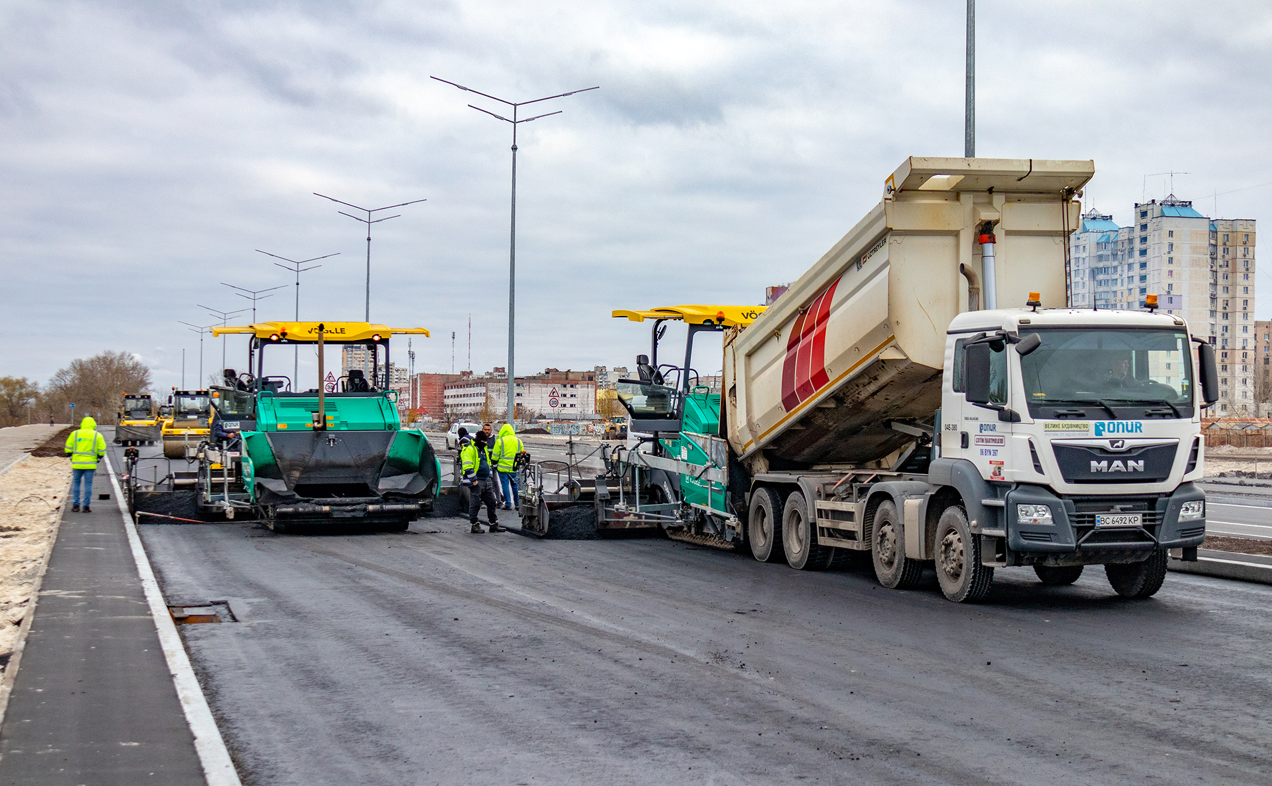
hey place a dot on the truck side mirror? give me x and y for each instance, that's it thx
(976, 373)
(1028, 344)
(1209, 374)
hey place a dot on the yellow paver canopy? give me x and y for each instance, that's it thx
(332, 332)
(729, 316)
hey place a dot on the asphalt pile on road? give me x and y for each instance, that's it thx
(573, 523)
(175, 504)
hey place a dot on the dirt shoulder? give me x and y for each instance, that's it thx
(32, 494)
(1238, 545)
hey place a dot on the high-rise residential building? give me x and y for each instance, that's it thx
(1201, 269)
(1232, 310)
(1094, 252)
(1263, 363)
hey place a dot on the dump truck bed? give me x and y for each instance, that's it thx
(859, 339)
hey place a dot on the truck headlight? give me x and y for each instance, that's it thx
(1191, 511)
(1033, 514)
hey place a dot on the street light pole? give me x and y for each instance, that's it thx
(225, 319)
(969, 114)
(297, 266)
(252, 295)
(512, 234)
(200, 331)
(369, 221)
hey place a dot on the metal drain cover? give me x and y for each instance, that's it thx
(211, 611)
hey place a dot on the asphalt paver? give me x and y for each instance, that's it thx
(93, 701)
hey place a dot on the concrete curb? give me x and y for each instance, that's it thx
(218, 768)
(1232, 566)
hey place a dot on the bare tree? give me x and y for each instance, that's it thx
(17, 395)
(97, 385)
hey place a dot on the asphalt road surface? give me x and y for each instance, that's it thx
(1238, 521)
(435, 656)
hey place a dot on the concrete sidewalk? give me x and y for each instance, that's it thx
(93, 700)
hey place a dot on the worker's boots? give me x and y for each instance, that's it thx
(494, 526)
(87, 509)
(75, 508)
(475, 529)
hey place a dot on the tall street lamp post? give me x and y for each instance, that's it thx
(298, 267)
(200, 330)
(225, 320)
(252, 295)
(369, 221)
(512, 235)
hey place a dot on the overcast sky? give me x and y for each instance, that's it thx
(147, 148)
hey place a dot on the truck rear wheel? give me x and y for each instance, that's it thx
(1141, 579)
(1058, 576)
(764, 525)
(958, 559)
(799, 536)
(887, 549)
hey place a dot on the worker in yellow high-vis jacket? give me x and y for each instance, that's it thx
(85, 447)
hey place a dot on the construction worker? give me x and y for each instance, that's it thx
(507, 446)
(85, 447)
(478, 474)
(489, 431)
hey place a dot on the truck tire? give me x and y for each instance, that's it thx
(764, 525)
(887, 550)
(959, 570)
(799, 536)
(1141, 579)
(1058, 576)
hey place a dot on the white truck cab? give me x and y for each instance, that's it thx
(1074, 436)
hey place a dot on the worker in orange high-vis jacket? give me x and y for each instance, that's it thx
(85, 447)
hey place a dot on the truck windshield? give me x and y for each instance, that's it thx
(1109, 366)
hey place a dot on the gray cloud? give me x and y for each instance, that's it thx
(150, 147)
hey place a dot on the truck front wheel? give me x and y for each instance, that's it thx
(764, 525)
(958, 560)
(887, 549)
(1141, 579)
(799, 536)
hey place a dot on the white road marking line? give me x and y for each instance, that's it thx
(218, 769)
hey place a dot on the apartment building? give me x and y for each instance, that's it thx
(1201, 269)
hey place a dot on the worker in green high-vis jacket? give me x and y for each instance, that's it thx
(85, 447)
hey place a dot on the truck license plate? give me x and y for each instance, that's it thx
(1119, 519)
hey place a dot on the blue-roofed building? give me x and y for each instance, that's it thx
(1094, 261)
(1201, 269)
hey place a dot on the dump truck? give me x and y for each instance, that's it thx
(924, 394)
(138, 423)
(332, 454)
(187, 424)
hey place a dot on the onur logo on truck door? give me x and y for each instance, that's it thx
(1117, 466)
(804, 368)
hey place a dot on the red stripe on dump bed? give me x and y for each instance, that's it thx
(804, 367)
(819, 378)
(789, 399)
(804, 364)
